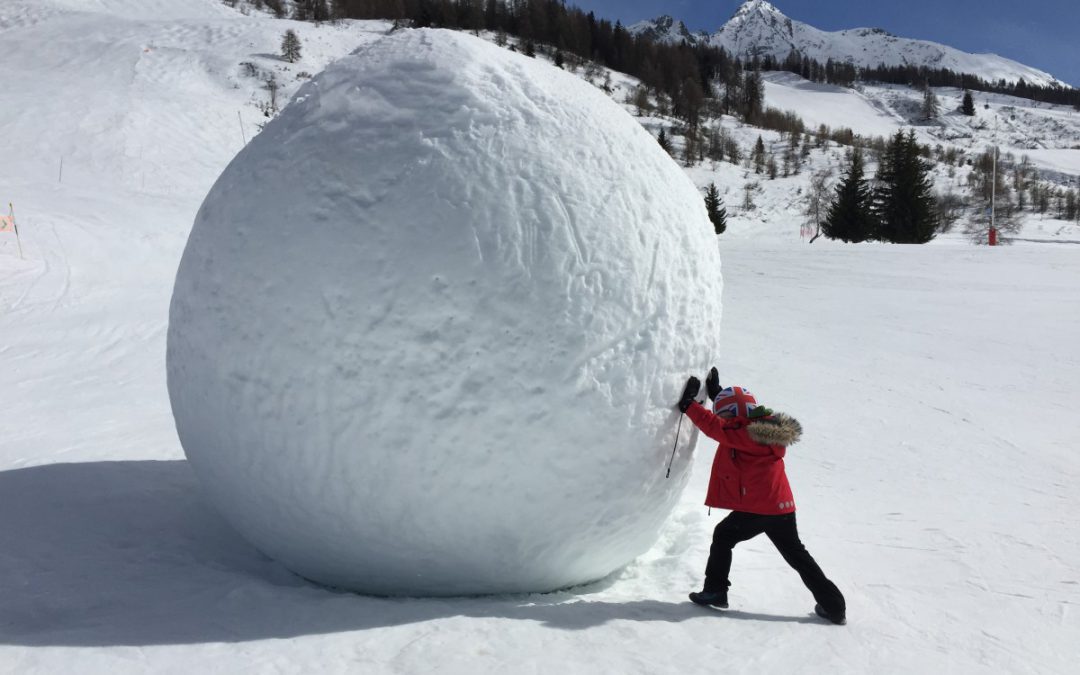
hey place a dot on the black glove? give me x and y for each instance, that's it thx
(693, 386)
(712, 384)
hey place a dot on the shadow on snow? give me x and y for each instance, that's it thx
(128, 553)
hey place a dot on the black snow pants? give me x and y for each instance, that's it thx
(781, 530)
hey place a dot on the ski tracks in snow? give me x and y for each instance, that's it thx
(46, 269)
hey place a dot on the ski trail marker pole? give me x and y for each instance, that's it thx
(241, 120)
(11, 211)
(678, 429)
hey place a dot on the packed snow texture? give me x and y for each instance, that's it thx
(430, 325)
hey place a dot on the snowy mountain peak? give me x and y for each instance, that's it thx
(760, 29)
(665, 22)
(666, 29)
(762, 8)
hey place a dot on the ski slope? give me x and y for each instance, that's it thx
(818, 103)
(936, 385)
(1018, 125)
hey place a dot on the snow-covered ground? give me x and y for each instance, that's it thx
(937, 386)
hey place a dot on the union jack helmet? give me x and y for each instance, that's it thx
(734, 402)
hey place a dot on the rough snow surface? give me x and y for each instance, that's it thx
(430, 325)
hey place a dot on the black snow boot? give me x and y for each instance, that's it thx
(710, 599)
(838, 618)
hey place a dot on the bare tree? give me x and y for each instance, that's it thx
(271, 87)
(640, 99)
(816, 203)
(949, 207)
(930, 106)
(1006, 222)
(690, 147)
(276, 7)
(717, 138)
(748, 196)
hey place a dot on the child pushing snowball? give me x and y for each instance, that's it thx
(748, 478)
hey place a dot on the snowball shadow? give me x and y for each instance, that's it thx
(129, 554)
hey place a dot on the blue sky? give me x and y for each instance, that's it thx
(1040, 33)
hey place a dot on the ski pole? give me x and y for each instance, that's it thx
(670, 461)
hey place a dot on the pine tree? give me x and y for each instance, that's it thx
(758, 156)
(662, 139)
(968, 106)
(849, 217)
(904, 201)
(290, 46)
(714, 204)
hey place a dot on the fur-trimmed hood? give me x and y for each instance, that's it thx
(777, 429)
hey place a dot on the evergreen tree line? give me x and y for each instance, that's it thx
(832, 72)
(899, 207)
(898, 204)
(685, 72)
(943, 77)
(846, 75)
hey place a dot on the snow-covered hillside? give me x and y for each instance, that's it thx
(758, 29)
(1044, 136)
(936, 386)
(1016, 124)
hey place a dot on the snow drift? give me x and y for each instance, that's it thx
(430, 325)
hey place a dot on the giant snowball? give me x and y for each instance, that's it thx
(430, 326)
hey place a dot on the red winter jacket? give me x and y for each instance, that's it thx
(748, 470)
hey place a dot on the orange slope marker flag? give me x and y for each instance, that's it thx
(7, 224)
